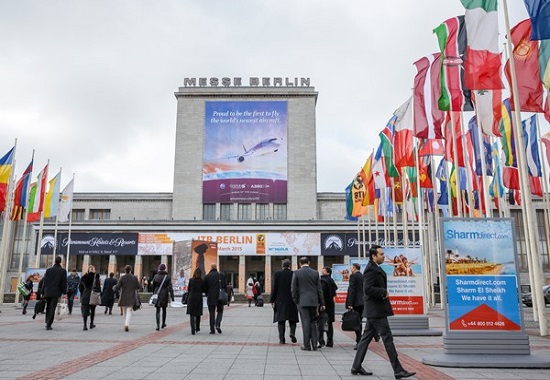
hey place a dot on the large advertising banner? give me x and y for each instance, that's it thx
(203, 255)
(347, 244)
(404, 270)
(255, 243)
(96, 243)
(481, 276)
(150, 244)
(245, 152)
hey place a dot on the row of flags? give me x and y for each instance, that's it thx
(41, 196)
(465, 75)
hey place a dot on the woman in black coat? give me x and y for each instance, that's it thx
(87, 283)
(284, 307)
(108, 295)
(194, 300)
(163, 287)
(28, 286)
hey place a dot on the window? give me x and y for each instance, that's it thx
(225, 211)
(78, 215)
(279, 211)
(262, 211)
(100, 214)
(244, 211)
(209, 211)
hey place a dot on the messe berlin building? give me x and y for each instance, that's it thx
(244, 179)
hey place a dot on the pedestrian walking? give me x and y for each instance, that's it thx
(163, 288)
(28, 285)
(307, 293)
(377, 311)
(73, 280)
(86, 286)
(250, 290)
(284, 308)
(329, 288)
(230, 293)
(213, 282)
(108, 295)
(54, 285)
(128, 285)
(194, 300)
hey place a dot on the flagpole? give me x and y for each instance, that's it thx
(56, 212)
(530, 221)
(6, 229)
(455, 163)
(41, 200)
(483, 171)
(545, 193)
(70, 222)
(404, 219)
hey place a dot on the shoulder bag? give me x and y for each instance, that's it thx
(137, 301)
(155, 297)
(223, 299)
(95, 298)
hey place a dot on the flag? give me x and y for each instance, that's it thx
(539, 12)
(425, 174)
(20, 193)
(496, 189)
(507, 135)
(546, 141)
(452, 120)
(431, 147)
(381, 179)
(441, 174)
(386, 142)
(403, 148)
(368, 199)
(526, 61)
(451, 35)
(531, 146)
(36, 196)
(544, 63)
(428, 118)
(510, 178)
(488, 105)
(358, 191)
(51, 200)
(6, 166)
(483, 158)
(483, 61)
(349, 202)
(66, 203)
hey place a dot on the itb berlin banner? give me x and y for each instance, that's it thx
(403, 267)
(481, 275)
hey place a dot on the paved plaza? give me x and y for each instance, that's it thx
(248, 348)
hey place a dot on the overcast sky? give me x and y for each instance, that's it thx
(90, 84)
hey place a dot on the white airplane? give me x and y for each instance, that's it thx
(266, 146)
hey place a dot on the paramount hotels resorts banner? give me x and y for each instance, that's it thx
(245, 152)
(101, 243)
(342, 244)
(481, 275)
(235, 244)
(405, 273)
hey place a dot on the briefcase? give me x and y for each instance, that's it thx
(351, 321)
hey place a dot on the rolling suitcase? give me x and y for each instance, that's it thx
(39, 307)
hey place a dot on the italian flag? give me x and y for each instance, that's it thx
(483, 60)
(36, 196)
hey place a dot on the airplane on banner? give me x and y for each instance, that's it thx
(266, 146)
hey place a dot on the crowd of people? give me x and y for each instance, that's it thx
(296, 296)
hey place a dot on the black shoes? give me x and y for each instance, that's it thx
(304, 348)
(403, 374)
(282, 342)
(321, 345)
(92, 326)
(158, 328)
(219, 330)
(361, 371)
(49, 328)
(163, 325)
(85, 328)
(126, 328)
(293, 338)
(330, 344)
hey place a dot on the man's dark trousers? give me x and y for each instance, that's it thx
(216, 314)
(309, 327)
(51, 305)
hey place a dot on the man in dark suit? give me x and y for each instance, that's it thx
(284, 308)
(307, 293)
(354, 298)
(377, 309)
(214, 281)
(55, 285)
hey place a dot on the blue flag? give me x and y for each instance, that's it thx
(539, 13)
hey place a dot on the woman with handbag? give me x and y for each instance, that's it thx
(163, 288)
(87, 299)
(128, 285)
(194, 300)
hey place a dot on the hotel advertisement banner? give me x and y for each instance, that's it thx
(346, 243)
(98, 243)
(245, 152)
(236, 244)
(405, 273)
(481, 275)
